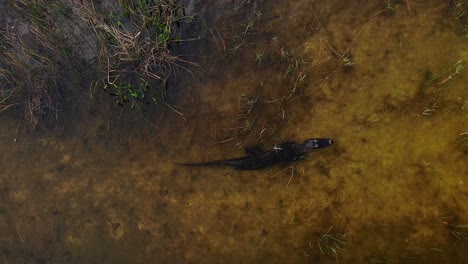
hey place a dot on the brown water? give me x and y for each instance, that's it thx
(374, 76)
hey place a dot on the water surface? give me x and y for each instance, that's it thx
(380, 78)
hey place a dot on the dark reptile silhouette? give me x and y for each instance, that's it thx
(259, 158)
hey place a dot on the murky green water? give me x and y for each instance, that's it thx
(382, 78)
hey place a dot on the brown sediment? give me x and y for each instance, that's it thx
(387, 184)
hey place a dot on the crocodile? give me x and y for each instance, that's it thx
(259, 158)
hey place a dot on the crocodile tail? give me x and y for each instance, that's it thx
(202, 164)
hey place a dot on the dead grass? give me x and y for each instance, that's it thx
(135, 60)
(40, 60)
(32, 61)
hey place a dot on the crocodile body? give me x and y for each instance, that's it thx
(257, 158)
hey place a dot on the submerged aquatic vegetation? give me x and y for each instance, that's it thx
(431, 108)
(453, 70)
(458, 231)
(347, 61)
(389, 8)
(242, 123)
(254, 24)
(329, 244)
(295, 78)
(240, 39)
(297, 87)
(463, 141)
(432, 90)
(259, 56)
(366, 118)
(292, 60)
(459, 11)
(456, 228)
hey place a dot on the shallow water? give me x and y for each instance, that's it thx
(372, 76)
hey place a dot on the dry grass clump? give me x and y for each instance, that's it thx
(44, 45)
(34, 61)
(134, 54)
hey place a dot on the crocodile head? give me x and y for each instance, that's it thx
(315, 143)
